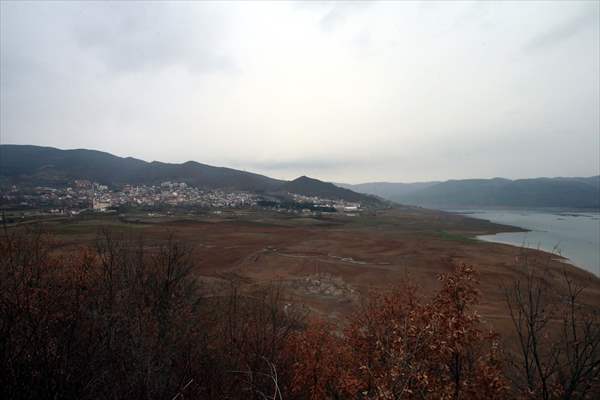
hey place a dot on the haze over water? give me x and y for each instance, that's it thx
(575, 235)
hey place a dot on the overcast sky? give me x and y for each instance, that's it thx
(348, 92)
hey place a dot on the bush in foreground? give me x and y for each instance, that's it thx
(126, 319)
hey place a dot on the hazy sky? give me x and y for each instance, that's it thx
(350, 92)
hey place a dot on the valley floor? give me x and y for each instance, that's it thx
(329, 263)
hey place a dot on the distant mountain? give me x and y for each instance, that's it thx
(37, 165)
(497, 192)
(387, 190)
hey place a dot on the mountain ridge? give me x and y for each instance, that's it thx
(559, 192)
(41, 165)
(315, 187)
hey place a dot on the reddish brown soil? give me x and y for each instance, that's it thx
(350, 256)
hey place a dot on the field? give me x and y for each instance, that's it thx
(329, 263)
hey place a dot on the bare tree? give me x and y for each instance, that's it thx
(558, 336)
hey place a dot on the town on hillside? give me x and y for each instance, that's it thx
(87, 196)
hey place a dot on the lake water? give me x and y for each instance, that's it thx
(576, 235)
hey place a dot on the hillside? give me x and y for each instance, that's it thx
(496, 192)
(35, 165)
(47, 165)
(314, 187)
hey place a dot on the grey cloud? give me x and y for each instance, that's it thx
(565, 30)
(339, 12)
(321, 93)
(130, 36)
(305, 164)
(362, 40)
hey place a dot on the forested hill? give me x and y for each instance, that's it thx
(35, 165)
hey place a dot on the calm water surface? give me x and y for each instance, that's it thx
(576, 235)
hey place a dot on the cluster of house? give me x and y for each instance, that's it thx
(174, 194)
(85, 195)
(91, 195)
(338, 205)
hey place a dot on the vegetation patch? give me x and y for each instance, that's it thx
(456, 237)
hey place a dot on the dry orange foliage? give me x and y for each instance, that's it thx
(126, 320)
(402, 346)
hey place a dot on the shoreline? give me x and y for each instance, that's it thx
(493, 237)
